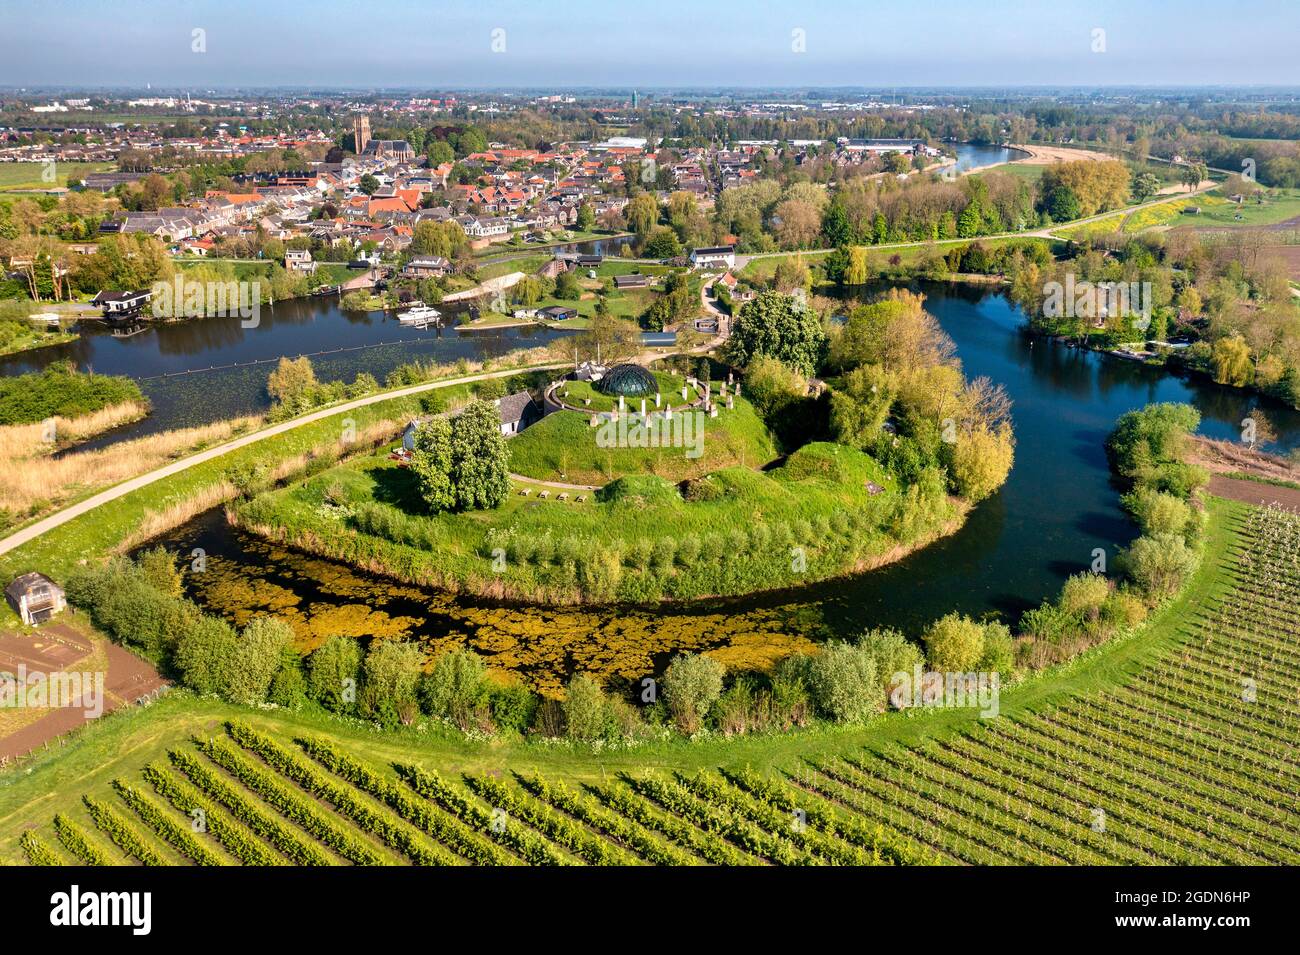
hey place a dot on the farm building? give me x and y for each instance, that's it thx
(35, 598)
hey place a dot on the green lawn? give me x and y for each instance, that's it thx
(28, 337)
(562, 447)
(644, 542)
(1279, 205)
(582, 394)
(28, 176)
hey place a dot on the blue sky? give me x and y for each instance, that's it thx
(646, 43)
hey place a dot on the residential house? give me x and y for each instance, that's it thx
(426, 266)
(713, 257)
(299, 260)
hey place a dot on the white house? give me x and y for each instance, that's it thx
(713, 257)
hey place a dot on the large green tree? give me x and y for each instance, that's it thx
(462, 463)
(780, 327)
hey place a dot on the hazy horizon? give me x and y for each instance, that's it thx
(402, 44)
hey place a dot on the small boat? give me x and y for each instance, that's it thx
(420, 316)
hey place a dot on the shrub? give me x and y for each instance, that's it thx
(842, 683)
(954, 644)
(289, 686)
(585, 709)
(454, 686)
(1084, 594)
(205, 654)
(333, 671)
(890, 652)
(257, 658)
(513, 707)
(999, 650)
(392, 673)
(61, 390)
(692, 683)
(1159, 565)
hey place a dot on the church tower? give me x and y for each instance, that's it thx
(361, 133)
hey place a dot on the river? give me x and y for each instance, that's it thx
(1017, 547)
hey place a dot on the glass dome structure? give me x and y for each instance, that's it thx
(628, 380)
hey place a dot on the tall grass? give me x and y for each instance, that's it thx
(33, 481)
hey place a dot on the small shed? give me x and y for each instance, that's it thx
(35, 598)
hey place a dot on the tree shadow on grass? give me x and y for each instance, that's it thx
(399, 487)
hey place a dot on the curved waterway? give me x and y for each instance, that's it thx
(202, 370)
(1016, 548)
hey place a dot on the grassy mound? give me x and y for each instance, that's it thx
(564, 447)
(579, 393)
(734, 531)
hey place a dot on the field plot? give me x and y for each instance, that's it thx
(1194, 762)
(248, 798)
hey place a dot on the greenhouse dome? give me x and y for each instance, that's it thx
(630, 381)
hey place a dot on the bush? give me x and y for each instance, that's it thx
(954, 644)
(205, 654)
(257, 659)
(585, 709)
(1158, 513)
(61, 390)
(333, 672)
(454, 687)
(999, 650)
(1083, 595)
(692, 683)
(392, 672)
(842, 683)
(513, 708)
(891, 653)
(1159, 565)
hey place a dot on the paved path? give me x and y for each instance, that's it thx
(32, 531)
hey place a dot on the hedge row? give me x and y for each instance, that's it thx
(244, 847)
(529, 847)
(78, 842)
(616, 827)
(707, 845)
(708, 818)
(344, 798)
(38, 853)
(284, 838)
(168, 829)
(442, 826)
(123, 834)
(291, 804)
(559, 829)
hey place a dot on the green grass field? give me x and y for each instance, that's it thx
(562, 447)
(582, 394)
(29, 176)
(641, 539)
(1145, 750)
